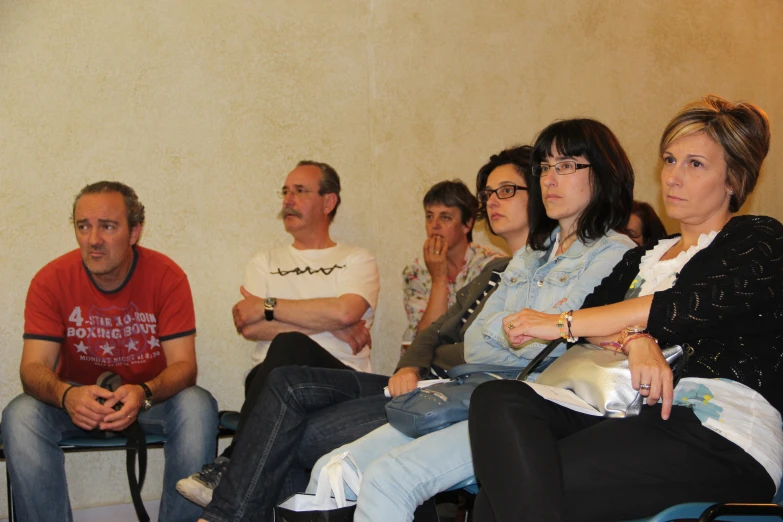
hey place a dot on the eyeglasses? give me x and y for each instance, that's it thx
(296, 191)
(564, 168)
(502, 192)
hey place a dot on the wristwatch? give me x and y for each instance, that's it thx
(629, 331)
(147, 404)
(269, 308)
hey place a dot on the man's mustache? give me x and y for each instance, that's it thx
(288, 211)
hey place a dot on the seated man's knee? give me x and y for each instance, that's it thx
(289, 348)
(194, 406)
(283, 378)
(27, 423)
(20, 414)
(287, 339)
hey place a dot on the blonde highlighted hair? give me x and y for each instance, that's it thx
(741, 129)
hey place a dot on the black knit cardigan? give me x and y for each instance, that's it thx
(726, 303)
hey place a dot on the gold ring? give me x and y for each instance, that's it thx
(510, 326)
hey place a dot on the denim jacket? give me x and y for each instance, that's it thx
(533, 281)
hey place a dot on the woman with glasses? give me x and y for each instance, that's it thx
(716, 287)
(581, 192)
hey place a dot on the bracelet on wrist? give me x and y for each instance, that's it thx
(565, 331)
(614, 344)
(65, 393)
(632, 337)
(570, 317)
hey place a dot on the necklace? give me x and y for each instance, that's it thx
(561, 248)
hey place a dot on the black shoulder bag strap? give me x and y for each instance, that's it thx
(136, 444)
(543, 354)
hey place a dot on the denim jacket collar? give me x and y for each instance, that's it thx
(577, 249)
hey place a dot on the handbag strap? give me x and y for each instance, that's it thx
(467, 369)
(136, 442)
(333, 477)
(543, 354)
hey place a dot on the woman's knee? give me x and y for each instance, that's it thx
(491, 396)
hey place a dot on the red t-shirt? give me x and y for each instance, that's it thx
(119, 331)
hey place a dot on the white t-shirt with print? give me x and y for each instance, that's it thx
(288, 273)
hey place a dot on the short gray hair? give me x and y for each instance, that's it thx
(133, 206)
(329, 184)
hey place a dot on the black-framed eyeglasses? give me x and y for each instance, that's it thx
(564, 168)
(502, 192)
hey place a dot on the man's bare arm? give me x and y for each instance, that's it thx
(181, 368)
(37, 371)
(332, 313)
(267, 330)
(322, 314)
(39, 380)
(180, 373)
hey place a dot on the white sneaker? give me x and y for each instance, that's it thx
(199, 486)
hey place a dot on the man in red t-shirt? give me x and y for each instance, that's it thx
(110, 306)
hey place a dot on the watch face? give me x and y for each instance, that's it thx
(270, 302)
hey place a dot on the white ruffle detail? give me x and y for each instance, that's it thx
(660, 275)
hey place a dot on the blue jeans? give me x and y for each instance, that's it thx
(32, 429)
(302, 413)
(400, 473)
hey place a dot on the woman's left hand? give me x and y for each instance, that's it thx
(528, 324)
(651, 374)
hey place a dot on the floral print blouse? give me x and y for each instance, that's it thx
(417, 283)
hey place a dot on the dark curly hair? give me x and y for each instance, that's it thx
(519, 157)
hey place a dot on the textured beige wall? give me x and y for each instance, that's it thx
(203, 106)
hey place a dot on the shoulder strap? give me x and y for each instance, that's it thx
(543, 354)
(136, 443)
(467, 369)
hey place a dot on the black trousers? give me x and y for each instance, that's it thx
(286, 349)
(537, 461)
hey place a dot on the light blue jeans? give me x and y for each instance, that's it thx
(400, 473)
(32, 430)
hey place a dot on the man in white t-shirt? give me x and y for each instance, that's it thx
(309, 303)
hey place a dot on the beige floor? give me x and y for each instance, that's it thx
(115, 513)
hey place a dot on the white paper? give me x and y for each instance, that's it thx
(565, 398)
(420, 384)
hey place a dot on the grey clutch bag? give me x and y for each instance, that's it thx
(602, 378)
